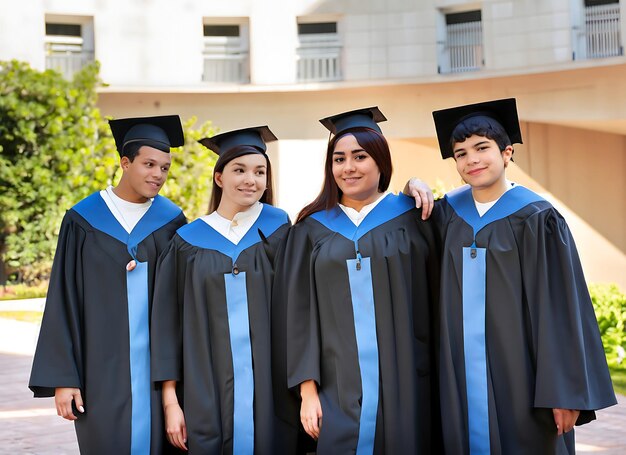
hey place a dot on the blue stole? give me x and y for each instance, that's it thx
(201, 235)
(474, 298)
(362, 295)
(162, 211)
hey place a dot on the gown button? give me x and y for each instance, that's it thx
(235, 270)
(473, 253)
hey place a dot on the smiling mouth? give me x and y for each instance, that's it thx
(476, 171)
(351, 179)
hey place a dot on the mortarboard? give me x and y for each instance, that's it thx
(360, 118)
(256, 137)
(503, 111)
(161, 132)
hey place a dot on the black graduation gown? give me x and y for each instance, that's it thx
(360, 302)
(92, 338)
(211, 332)
(523, 339)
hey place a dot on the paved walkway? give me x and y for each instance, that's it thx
(31, 426)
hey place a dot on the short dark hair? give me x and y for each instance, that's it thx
(375, 145)
(235, 152)
(480, 125)
(131, 150)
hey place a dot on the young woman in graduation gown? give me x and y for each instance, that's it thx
(521, 356)
(93, 353)
(211, 315)
(360, 278)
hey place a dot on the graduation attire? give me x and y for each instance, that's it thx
(211, 326)
(519, 335)
(359, 307)
(94, 333)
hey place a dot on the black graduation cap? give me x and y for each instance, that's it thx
(256, 137)
(368, 117)
(504, 111)
(161, 132)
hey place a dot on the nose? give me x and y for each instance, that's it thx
(248, 178)
(349, 167)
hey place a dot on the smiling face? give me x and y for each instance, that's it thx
(481, 164)
(143, 177)
(356, 173)
(243, 181)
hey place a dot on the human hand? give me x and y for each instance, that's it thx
(565, 419)
(63, 397)
(310, 409)
(175, 425)
(422, 194)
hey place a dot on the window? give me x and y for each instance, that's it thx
(601, 35)
(462, 48)
(226, 53)
(319, 52)
(69, 44)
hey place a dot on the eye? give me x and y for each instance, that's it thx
(459, 155)
(165, 168)
(149, 164)
(260, 172)
(339, 159)
(361, 156)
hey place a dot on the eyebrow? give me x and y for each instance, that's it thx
(339, 152)
(475, 145)
(260, 166)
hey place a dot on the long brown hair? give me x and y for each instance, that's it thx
(375, 145)
(236, 152)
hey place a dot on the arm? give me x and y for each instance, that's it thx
(422, 194)
(63, 397)
(174, 417)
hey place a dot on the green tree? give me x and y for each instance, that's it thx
(56, 149)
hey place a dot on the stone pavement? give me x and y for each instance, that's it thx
(31, 426)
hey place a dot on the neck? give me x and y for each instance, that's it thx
(123, 192)
(228, 210)
(490, 193)
(358, 204)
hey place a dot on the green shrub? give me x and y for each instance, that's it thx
(609, 304)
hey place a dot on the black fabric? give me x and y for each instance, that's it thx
(320, 334)
(84, 334)
(543, 344)
(191, 344)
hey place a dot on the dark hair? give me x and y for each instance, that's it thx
(375, 145)
(132, 150)
(236, 152)
(480, 125)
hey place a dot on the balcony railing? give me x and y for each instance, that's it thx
(225, 60)
(602, 31)
(67, 59)
(464, 47)
(319, 58)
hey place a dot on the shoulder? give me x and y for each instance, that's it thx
(274, 213)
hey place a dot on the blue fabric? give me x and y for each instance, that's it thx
(389, 208)
(239, 329)
(201, 235)
(474, 301)
(139, 341)
(362, 292)
(95, 211)
(474, 279)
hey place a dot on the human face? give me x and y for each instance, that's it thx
(145, 175)
(481, 164)
(243, 182)
(355, 172)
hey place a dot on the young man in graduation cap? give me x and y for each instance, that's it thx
(93, 353)
(521, 357)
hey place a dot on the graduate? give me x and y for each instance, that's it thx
(361, 274)
(93, 353)
(521, 356)
(211, 317)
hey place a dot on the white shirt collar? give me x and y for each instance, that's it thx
(235, 229)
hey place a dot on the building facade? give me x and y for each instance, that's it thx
(287, 64)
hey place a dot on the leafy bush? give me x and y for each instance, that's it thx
(609, 304)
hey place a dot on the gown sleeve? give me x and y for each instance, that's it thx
(167, 315)
(303, 344)
(571, 368)
(57, 361)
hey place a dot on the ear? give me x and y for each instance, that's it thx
(507, 155)
(124, 163)
(218, 179)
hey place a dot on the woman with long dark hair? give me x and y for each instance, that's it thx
(211, 315)
(360, 277)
